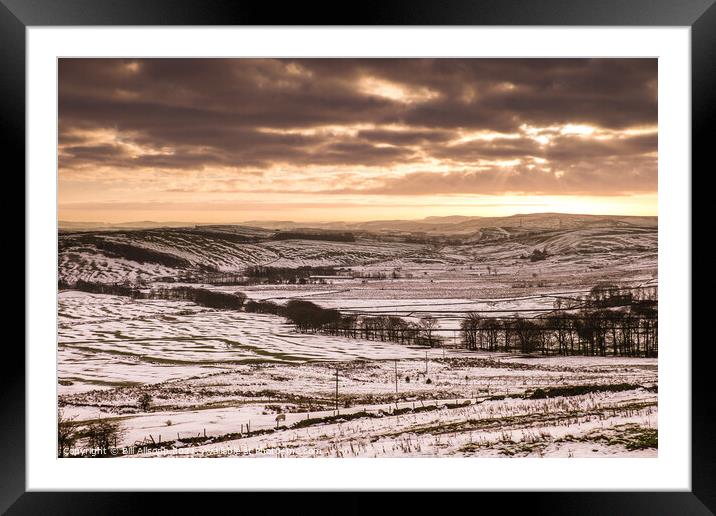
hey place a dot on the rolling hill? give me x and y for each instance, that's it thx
(120, 254)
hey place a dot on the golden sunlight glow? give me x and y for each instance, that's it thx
(486, 136)
(394, 91)
(320, 130)
(306, 208)
(581, 130)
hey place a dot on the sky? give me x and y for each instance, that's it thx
(233, 140)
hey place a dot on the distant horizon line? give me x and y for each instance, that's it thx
(434, 217)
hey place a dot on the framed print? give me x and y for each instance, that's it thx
(410, 250)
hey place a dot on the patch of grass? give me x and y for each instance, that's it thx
(631, 436)
(577, 390)
(506, 447)
(531, 419)
(331, 419)
(642, 439)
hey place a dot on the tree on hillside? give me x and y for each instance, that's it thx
(145, 402)
(427, 326)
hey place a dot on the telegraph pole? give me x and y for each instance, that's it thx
(396, 383)
(336, 391)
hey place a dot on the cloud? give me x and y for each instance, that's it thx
(582, 178)
(482, 125)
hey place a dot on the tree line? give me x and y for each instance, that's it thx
(611, 320)
(200, 296)
(260, 274)
(620, 321)
(308, 317)
(602, 332)
(329, 236)
(587, 332)
(302, 274)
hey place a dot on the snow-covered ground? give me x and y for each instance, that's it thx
(106, 341)
(215, 375)
(571, 427)
(217, 379)
(595, 424)
(577, 256)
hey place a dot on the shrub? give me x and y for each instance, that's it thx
(144, 402)
(103, 434)
(67, 433)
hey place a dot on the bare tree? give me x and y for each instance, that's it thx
(103, 434)
(145, 402)
(527, 332)
(469, 326)
(427, 326)
(67, 433)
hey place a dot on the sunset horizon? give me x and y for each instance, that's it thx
(227, 221)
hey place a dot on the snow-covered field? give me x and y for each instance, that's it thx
(220, 378)
(217, 379)
(471, 406)
(618, 425)
(106, 341)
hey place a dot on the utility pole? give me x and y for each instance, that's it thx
(336, 391)
(426, 363)
(396, 382)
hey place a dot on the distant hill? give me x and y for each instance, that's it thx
(464, 225)
(65, 225)
(116, 252)
(451, 224)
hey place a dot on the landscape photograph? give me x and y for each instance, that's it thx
(357, 257)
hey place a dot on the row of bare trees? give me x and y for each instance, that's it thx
(308, 317)
(587, 332)
(200, 296)
(609, 319)
(608, 324)
(388, 328)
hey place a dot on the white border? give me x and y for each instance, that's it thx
(671, 470)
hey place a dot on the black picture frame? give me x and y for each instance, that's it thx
(17, 15)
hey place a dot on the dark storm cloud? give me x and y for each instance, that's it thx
(184, 114)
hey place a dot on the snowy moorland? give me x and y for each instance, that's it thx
(180, 379)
